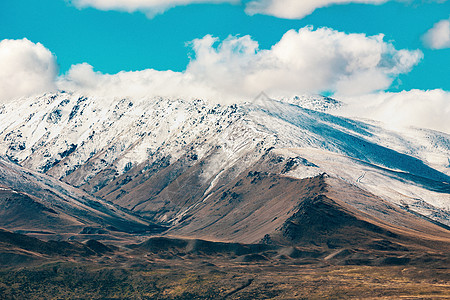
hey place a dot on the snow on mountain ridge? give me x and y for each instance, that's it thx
(75, 138)
(313, 102)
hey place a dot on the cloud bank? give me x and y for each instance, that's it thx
(438, 37)
(149, 7)
(146, 83)
(354, 67)
(307, 60)
(26, 69)
(423, 109)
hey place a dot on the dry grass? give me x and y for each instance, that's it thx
(222, 279)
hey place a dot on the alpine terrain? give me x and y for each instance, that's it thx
(195, 185)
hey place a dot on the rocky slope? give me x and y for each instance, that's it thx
(240, 172)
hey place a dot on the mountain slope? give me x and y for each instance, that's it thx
(238, 172)
(34, 203)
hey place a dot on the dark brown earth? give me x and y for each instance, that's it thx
(328, 243)
(166, 268)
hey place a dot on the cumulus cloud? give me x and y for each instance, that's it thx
(438, 37)
(354, 67)
(149, 7)
(296, 9)
(26, 69)
(418, 108)
(235, 69)
(145, 83)
(307, 60)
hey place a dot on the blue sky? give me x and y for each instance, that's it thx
(112, 41)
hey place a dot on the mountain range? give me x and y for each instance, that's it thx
(285, 172)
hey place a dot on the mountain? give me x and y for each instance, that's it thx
(275, 171)
(42, 206)
(175, 199)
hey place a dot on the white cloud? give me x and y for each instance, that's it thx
(146, 83)
(353, 66)
(423, 109)
(26, 69)
(288, 9)
(296, 9)
(438, 37)
(236, 69)
(149, 7)
(302, 61)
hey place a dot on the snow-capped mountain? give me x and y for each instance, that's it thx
(165, 159)
(313, 102)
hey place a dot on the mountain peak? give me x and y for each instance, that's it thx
(161, 157)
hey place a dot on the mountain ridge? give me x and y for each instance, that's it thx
(156, 161)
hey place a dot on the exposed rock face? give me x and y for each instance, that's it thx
(271, 171)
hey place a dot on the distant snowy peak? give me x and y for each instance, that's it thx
(313, 102)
